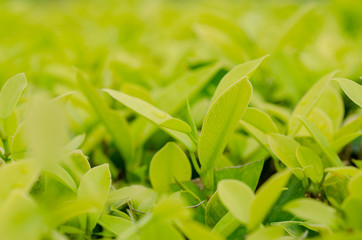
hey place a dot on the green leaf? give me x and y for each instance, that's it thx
(270, 190)
(195, 231)
(237, 197)
(312, 210)
(94, 188)
(352, 89)
(309, 100)
(18, 175)
(260, 120)
(76, 165)
(352, 208)
(311, 162)
(246, 69)
(149, 111)
(114, 122)
(248, 173)
(20, 218)
(175, 127)
(215, 210)
(321, 140)
(221, 120)
(114, 224)
(331, 103)
(284, 148)
(168, 164)
(10, 94)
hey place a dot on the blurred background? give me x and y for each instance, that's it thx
(142, 47)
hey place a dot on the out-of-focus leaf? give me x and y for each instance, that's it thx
(115, 123)
(114, 224)
(312, 210)
(18, 175)
(237, 197)
(10, 94)
(20, 218)
(270, 190)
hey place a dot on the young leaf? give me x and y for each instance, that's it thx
(221, 120)
(168, 164)
(175, 127)
(150, 112)
(352, 89)
(321, 140)
(260, 119)
(284, 148)
(308, 101)
(312, 210)
(248, 173)
(270, 190)
(311, 163)
(114, 224)
(94, 188)
(10, 94)
(237, 197)
(240, 71)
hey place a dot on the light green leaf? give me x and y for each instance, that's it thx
(269, 232)
(240, 71)
(260, 119)
(352, 89)
(284, 148)
(114, 224)
(312, 210)
(94, 188)
(311, 163)
(271, 191)
(10, 94)
(168, 164)
(20, 218)
(221, 120)
(355, 185)
(64, 97)
(175, 127)
(76, 165)
(75, 143)
(149, 111)
(59, 173)
(195, 231)
(237, 197)
(331, 103)
(309, 100)
(18, 175)
(321, 140)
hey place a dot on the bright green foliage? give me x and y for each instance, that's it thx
(10, 94)
(168, 119)
(221, 120)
